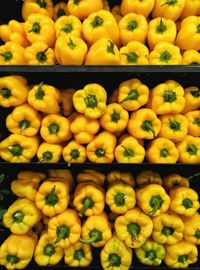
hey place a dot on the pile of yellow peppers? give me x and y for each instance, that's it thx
(158, 219)
(134, 123)
(90, 32)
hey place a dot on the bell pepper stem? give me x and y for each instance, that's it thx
(62, 232)
(132, 57)
(35, 28)
(196, 93)
(134, 229)
(187, 203)
(114, 260)
(41, 3)
(7, 56)
(60, 12)
(182, 258)
(40, 93)
(53, 128)
(193, 176)
(51, 199)
(71, 44)
(161, 28)
(95, 236)
(87, 203)
(24, 124)
(128, 152)
(16, 150)
(98, 21)
(67, 28)
(100, 152)
(79, 255)
(12, 259)
(18, 217)
(49, 250)
(46, 157)
(132, 95)
(174, 125)
(156, 203)
(197, 234)
(147, 126)
(110, 48)
(5, 92)
(151, 255)
(41, 56)
(170, 3)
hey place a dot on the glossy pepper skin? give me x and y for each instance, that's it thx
(11, 53)
(68, 26)
(78, 255)
(136, 6)
(191, 8)
(175, 180)
(150, 253)
(74, 152)
(180, 255)
(96, 230)
(191, 232)
(18, 148)
(192, 99)
(194, 123)
(92, 176)
(60, 9)
(65, 228)
(21, 216)
(116, 255)
(152, 199)
(116, 12)
(13, 91)
(124, 177)
(64, 174)
(44, 7)
(17, 250)
(191, 57)
(184, 201)
(148, 177)
(49, 153)
(134, 227)
(67, 102)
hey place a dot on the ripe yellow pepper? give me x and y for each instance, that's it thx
(68, 26)
(175, 180)
(144, 7)
(103, 52)
(189, 150)
(191, 57)
(83, 8)
(21, 216)
(191, 232)
(192, 99)
(148, 177)
(65, 228)
(100, 24)
(44, 7)
(184, 201)
(96, 230)
(18, 148)
(12, 53)
(92, 176)
(101, 148)
(70, 50)
(190, 29)
(49, 153)
(194, 123)
(116, 12)
(161, 29)
(17, 251)
(67, 102)
(165, 53)
(180, 255)
(64, 174)
(134, 227)
(13, 90)
(39, 27)
(135, 53)
(116, 255)
(74, 152)
(191, 8)
(162, 150)
(133, 94)
(144, 124)
(124, 177)
(60, 9)
(44, 98)
(167, 228)
(133, 27)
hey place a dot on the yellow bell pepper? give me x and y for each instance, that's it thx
(100, 24)
(133, 94)
(116, 12)
(165, 53)
(173, 127)
(17, 148)
(175, 180)
(12, 53)
(144, 124)
(14, 31)
(134, 227)
(83, 8)
(194, 123)
(60, 9)
(44, 98)
(68, 26)
(116, 255)
(184, 201)
(192, 99)
(106, 5)
(17, 251)
(70, 50)
(144, 7)
(49, 153)
(191, 232)
(135, 53)
(13, 90)
(167, 228)
(67, 102)
(101, 148)
(64, 174)
(162, 150)
(148, 177)
(44, 7)
(92, 176)
(189, 150)
(74, 152)
(180, 255)
(65, 228)
(31, 175)
(124, 177)
(39, 27)
(161, 29)
(21, 216)
(170, 9)
(191, 57)
(191, 8)
(96, 230)
(190, 29)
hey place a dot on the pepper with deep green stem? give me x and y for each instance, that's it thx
(51, 199)
(134, 229)
(156, 203)
(132, 95)
(110, 48)
(128, 152)
(187, 203)
(24, 124)
(79, 255)
(18, 217)
(95, 236)
(40, 93)
(62, 232)
(132, 57)
(12, 259)
(147, 126)
(87, 203)
(16, 150)
(114, 260)
(7, 56)
(6, 93)
(49, 250)
(98, 21)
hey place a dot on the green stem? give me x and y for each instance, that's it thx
(197, 234)
(67, 28)
(98, 21)
(167, 231)
(60, 12)
(128, 152)
(187, 203)
(49, 250)
(51, 199)
(87, 203)
(120, 199)
(169, 96)
(156, 203)
(192, 149)
(7, 56)
(47, 156)
(62, 232)
(132, 95)
(174, 125)
(132, 25)
(76, 2)
(131, 57)
(100, 152)
(24, 124)
(114, 260)
(75, 154)
(71, 44)
(115, 116)
(91, 101)
(134, 229)
(42, 3)
(95, 236)
(41, 56)
(18, 217)
(6, 93)
(151, 255)
(40, 93)
(170, 3)
(195, 93)
(198, 28)
(197, 121)
(16, 150)
(79, 255)
(111, 47)
(12, 259)
(164, 153)
(165, 57)
(161, 28)
(147, 126)
(53, 128)
(36, 28)
(182, 259)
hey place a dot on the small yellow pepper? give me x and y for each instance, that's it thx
(191, 8)
(74, 152)
(148, 177)
(194, 123)
(64, 174)
(69, 26)
(175, 180)
(49, 153)
(116, 12)
(44, 7)
(12, 53)
(192, 99)
(92, 176)
(145, 7)
(191, 57)
(60, 9)
(67, 102)
(191, 232)
(124, 177)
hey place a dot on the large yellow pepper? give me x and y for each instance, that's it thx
(64, 174)
(133, 94)
(83, 8)
(74, 152)
(191, 232)
(190, 30)
(161, 29)
(152, 199)
(68, 25)
(167, 228)
(180, 255)
(189, 150)
(13, 90)
(39, 27)
(184, 201)
(165, 53)
(96, 230)
(21, 216)
(44, 7)
(191, 8)
(17, 251)
(124, 177)
(92, 176)
(134, 227)
(192, 99)
(116, 12)
(162, 150)
(191, 57)
(60, 9)
(144, 124)
(148, 177)
(175, 180)
(116, 255)
(101, 148)
(49, 153)
(18, 148)
(67, 102)
(12, 53)
(194, 123)
(44, 98)
(145, 7)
